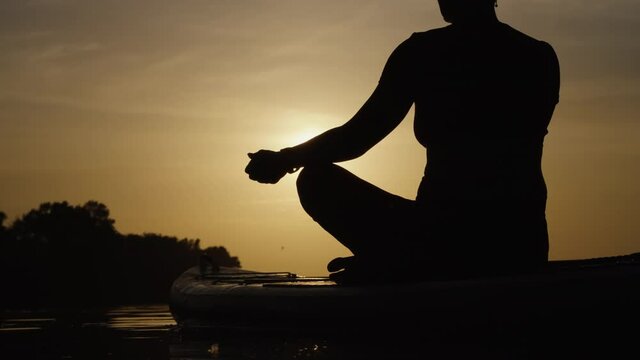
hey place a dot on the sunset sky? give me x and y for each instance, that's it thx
(150, 106)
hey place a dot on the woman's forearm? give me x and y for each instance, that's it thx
(382, 112)
(334, 145)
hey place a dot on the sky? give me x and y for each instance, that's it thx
(151, 106)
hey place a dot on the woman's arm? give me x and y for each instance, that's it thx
(375, 120)
(381, 113)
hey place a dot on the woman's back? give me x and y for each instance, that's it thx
(484, 97)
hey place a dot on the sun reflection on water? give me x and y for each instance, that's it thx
(17, 324)
(137, 318)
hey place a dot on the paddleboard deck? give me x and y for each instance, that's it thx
(240, 297)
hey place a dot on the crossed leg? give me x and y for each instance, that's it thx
(374, 224)
(393, 238)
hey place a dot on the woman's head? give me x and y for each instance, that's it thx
(455, 11)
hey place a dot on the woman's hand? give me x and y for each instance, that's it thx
(267, 166)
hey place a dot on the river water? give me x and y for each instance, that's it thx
(150, 332)
(128, 332)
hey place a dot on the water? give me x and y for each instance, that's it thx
(150, 332)
(140, 332)
(128, 332)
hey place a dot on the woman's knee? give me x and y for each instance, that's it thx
(314, 182)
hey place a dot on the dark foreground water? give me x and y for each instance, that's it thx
(149, 332)
(130, 332)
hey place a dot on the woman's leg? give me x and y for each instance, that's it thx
(369, 221)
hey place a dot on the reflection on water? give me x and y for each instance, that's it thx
(149, 332)
(152, 318)
(19, 324)
(140, 322)
(128, 332)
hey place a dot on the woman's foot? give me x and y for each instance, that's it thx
(355, 271)
(340, 263)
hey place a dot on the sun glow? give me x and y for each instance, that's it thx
(303, 135)
(303, 126)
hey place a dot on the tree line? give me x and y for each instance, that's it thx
(62, 255)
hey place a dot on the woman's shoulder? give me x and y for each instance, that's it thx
(431, 34)
(525, 39)
(419, 41)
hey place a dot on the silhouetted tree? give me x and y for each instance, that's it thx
(221, 256)
(3, 217)
(60, 254)
(3, 238)
(3, 229)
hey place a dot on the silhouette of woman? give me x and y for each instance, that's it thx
(484, 95)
